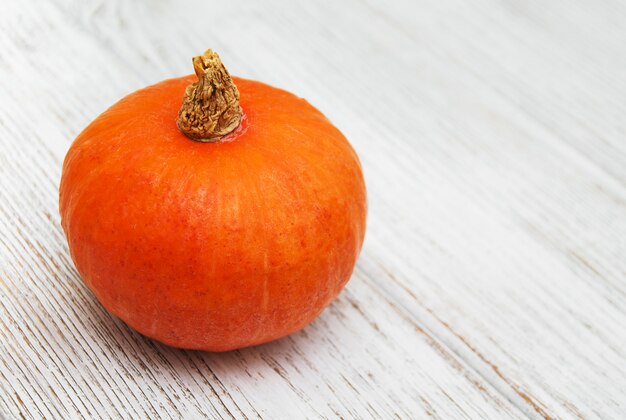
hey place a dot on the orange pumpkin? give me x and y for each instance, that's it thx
(234, 240)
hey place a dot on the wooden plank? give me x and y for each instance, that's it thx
(65, 357)
(501, 228)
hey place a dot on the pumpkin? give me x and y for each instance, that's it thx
(228, 222)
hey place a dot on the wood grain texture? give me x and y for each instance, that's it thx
(493, 279)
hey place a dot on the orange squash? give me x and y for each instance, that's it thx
(234, 240)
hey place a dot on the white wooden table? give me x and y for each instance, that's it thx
(492, 134)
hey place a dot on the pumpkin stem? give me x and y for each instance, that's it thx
(210, 107)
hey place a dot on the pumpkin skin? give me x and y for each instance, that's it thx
(213, 246)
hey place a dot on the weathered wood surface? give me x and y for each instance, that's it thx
(493, 279)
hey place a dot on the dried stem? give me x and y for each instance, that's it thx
(210, 107)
